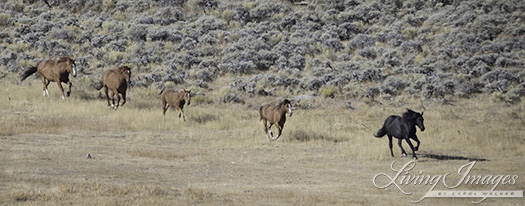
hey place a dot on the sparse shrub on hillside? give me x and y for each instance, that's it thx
(206, 74)
(497, 80)
(118, 45)
(266, 59)
(393, 85)
(133, 6)
(265, 10)
(516, 93)
(311, 84)
(370, 74)
(138, 32)
(54, 48)
(206, 24)
(329, 91)
(412, 46)
(368, 53)
(168, 15)
(297, 62)
(467, 87)
(439, 86)
(334, 44)
(284, 49)
(5, 20)
(239, 62)
(361, 41)
(508, 62)
(164, 34)
(116, 57)
(179, 3)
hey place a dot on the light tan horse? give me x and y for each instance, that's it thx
(275, 115)
(176, 100)
(54, 71)
(117, 81)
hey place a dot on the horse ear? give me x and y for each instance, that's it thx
(421, 113)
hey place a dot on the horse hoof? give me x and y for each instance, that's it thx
(404, 154)
(415, 158)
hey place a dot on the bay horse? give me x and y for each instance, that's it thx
(117, 81)
(54, 71)
(402, 128)
(170, 98)
(275, 115)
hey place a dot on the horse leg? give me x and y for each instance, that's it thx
(411, 147)
(118, 99)
(270, 128)
(165, 107)
(61, 89)
(69, 84)
(112, 100)
(182, 112)
(402, 150)
(417, 140)
(45, 83)
(107, 96)
(279, 129)
(123, 98)
(265, 122)
(390, 145)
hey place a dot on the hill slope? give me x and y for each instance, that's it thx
(339, 48)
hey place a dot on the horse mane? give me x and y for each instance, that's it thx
(284, 102)
(63, 59)
(410, 115)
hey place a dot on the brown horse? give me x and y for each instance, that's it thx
(54, 71)
(275, 115)
(115, 80)
(175, 100)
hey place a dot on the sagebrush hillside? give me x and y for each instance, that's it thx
(341, 48)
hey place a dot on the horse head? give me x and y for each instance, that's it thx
(71, 66)
(287, 106)
(187, 95)
(126, 72)
(416, 117)
(419, 122)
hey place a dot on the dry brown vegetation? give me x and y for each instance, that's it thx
(326, 156)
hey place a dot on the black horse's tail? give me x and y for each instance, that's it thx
(28, 72)
(260, 113)
(99, 85)
(380, 133)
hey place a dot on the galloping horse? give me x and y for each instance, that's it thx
(51, 71)
(275, 115)
(403, 128)
(115, 80)
(175, 100)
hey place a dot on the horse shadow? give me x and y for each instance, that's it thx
(452, 157)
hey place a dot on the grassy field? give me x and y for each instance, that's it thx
(326, 156)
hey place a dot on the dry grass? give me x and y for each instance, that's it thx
(327, 155)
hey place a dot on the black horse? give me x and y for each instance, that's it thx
(402, 128)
